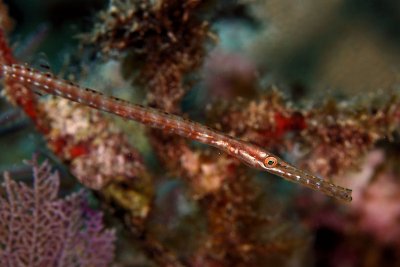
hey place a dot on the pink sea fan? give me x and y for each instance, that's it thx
(38, 229)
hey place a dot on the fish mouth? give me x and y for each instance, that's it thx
(293, 174)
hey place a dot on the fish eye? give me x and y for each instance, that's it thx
(270, 161)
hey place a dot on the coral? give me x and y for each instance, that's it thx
(68, 135)
(369, 226)
(16, 93)
(339, 136)
(166, 37)
(185, 204)
(265, 121)
(39, 229)
(331, 138)
(95, 149)
(239, 229)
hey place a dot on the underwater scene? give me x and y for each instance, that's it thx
(199, 133)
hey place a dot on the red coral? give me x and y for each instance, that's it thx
(18, 94)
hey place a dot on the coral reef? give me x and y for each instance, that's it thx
(287, 83)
